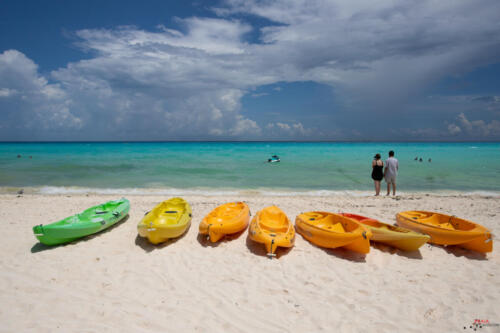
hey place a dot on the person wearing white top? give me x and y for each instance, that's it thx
(390, 173)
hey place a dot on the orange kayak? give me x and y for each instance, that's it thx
(448, 230)
(272, 228)
(333, 230)
(226, 219)
(398, 237)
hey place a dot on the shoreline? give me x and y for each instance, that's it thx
(209, 192)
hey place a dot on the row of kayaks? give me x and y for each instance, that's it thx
(271, 227)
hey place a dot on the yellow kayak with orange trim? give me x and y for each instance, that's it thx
(448, 230)
(169, 219)
(271, 227)
(333, 230)
(225, 219)
(398, 237)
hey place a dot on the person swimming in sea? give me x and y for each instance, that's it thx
(274, 158)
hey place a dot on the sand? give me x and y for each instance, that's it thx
(116, 281)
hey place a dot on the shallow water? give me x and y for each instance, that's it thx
(242, 165)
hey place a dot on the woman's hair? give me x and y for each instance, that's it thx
(377, 156)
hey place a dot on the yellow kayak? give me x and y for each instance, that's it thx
(333, 230)
(398, 237)
(169, 219)
(448, 230)
(226, 219)
(272, 228)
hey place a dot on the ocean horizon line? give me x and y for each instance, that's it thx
(254, 141)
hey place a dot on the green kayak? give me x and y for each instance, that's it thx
(88, 222)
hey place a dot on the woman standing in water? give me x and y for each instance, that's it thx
(377, 172)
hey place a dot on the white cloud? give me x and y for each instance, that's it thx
(189, 82)
(5, 92)
(299, 128)
(454, 129)
(281, 129)
(163, 84)
(245, 126)
(29, 103)
(475, 128)
(259, 95)
(283, 126)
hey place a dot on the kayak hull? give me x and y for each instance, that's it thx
(398, 237)
(448, 230)
(169, 219)
(271, 227)
(226, 219)
(331, 230)
(88, 222)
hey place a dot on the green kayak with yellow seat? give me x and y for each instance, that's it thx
(88, 222)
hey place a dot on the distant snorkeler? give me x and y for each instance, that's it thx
(430, 160)
(273, 159)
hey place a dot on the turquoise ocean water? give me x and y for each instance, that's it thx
(227, 166)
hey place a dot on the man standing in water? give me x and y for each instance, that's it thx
(390, 173)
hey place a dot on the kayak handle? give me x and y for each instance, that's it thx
(270, 255)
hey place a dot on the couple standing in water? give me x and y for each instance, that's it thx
(389, 173)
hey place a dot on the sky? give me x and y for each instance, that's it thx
(249, 70)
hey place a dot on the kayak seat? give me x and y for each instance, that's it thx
(447, 226)
(171, 212)
(335, 227)
(273, 225)
(273, 220)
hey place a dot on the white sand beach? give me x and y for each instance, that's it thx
(116, 281)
